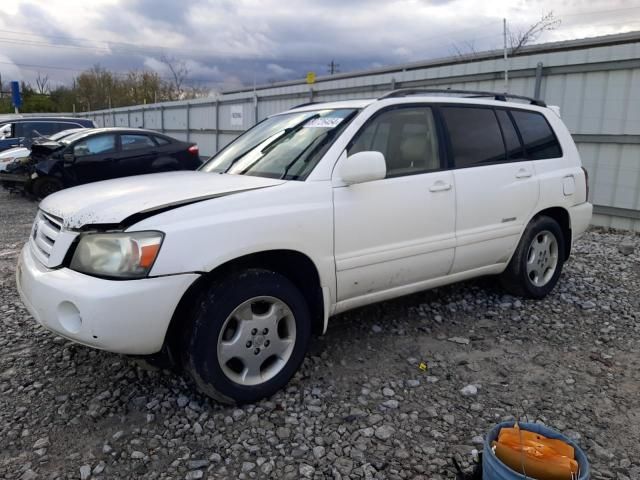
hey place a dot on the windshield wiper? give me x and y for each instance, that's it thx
(325, 136)
(285, 132)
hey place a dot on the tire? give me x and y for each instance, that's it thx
(234, 360)
(537, 262)
(44, 186)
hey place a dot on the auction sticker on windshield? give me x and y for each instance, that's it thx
(323, 122)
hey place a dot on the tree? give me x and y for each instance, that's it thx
(179, 72)
(42, 84)
(519, 39)
(516, 40)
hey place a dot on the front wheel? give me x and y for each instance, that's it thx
(537, 262)
(45, 186)
(248, 336)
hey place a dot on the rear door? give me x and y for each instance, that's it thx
(496, 187)
(136, 156)
(392, 235)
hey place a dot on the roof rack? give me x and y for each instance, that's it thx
(403, 92)
(303, 105)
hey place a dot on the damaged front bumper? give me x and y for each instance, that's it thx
(123, 316)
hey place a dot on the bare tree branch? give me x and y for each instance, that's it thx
(466, 50)
(179, 72)
(519, 39)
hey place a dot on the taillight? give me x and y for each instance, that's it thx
(586, 182)
(193, 150)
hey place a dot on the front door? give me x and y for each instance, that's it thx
(93, 159)
(396, 233)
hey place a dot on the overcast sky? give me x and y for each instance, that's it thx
(229, 43)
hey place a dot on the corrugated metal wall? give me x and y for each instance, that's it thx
(596, 83)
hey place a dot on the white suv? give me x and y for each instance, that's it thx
(314, 211)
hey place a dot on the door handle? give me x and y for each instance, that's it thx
(522, 173)
(440, 187)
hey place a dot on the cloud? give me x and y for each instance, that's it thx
(279, 71)
(233, 42)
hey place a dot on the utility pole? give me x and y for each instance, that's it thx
(506, 60)
(333, 67)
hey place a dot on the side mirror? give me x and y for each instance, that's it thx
(68, 158)
(363, 167)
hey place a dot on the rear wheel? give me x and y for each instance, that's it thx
(537, 262)
(248, 336)
(44, 186)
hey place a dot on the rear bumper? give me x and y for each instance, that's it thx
(580, 216)
(129, 316)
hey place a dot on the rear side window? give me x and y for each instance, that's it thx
(134, 142)
(407, 138)
(475, 136)
(511, 140)
(539, 140)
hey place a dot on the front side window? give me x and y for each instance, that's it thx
(539, 140)
(95, 145)
(287, 146)
(475, 136)
(406, 136)
(134, 142)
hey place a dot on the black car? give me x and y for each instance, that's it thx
(20, 131)
(102, 154)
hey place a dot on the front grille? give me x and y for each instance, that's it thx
(44, 234)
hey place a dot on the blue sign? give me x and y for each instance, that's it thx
(16, 99)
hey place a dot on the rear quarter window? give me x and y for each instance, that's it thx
(161, 141)
(539, 140)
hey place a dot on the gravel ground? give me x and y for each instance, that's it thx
(360, 407)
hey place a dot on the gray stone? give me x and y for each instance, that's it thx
(391, 404)
(460, 340)
(41, 443)
(469, 391)
(385, 432)
(306, 470)
(626, 247)
(85, 472)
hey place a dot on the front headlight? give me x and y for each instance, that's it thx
(119, 255)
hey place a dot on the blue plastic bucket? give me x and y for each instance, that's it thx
(494, 469)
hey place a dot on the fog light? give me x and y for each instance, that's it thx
(69, 317)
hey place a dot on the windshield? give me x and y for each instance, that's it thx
(83, 132)
(65, 133)
(284, 146)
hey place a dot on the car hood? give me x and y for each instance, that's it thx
(125, 201)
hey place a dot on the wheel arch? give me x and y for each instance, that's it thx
(296, 266)
(560, 215)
